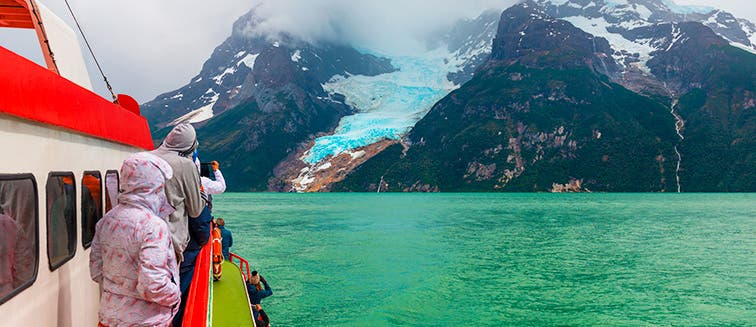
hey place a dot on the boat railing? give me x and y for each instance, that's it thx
(198, 305)
(243, 265)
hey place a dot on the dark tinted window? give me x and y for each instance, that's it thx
(111, 189)
(18, 234)
(61, 218)
(91, 205)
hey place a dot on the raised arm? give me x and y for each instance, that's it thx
(267, 291)
(220, 180)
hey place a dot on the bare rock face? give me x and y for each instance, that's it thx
(295, 175)
(573, 186)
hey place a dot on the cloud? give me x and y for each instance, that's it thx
(148, 47)
(389, 26)
(145, 47)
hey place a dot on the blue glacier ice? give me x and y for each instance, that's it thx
(387, 105)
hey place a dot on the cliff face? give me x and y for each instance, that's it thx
(539, 116)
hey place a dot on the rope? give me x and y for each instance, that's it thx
(105, 78)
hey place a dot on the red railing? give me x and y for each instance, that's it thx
(243, 265)
(197, 309)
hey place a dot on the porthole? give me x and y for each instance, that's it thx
(61, 218)
(19, 227)
(111, 189)
(91, 205)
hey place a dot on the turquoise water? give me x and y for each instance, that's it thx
(500, 259)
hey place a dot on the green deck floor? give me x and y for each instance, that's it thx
(230, 306)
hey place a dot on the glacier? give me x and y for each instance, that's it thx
(388, 105)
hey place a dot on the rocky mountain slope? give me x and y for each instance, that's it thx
(258, 98)
(545, 115)
(712, 86)
(288, 115)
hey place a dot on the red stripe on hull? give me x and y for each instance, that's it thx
(32, 92)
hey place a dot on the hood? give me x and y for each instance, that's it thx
(182, 139)
(143, 177)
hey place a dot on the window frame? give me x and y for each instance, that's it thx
(47, 221)
(81, 205)
(105, 187)
(24, 286)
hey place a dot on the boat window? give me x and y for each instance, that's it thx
(61, 218)
(91, 205)
(19, 240)
(111, 189)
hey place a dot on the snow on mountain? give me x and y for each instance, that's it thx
(619, 20)
(224, 73)
(635, 53)
(469, 44)
(639, 30)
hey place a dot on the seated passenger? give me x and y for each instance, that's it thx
(226, 239)
(132, 255)
(255, 290)
(261, 318)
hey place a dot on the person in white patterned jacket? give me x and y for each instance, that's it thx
(132, 254)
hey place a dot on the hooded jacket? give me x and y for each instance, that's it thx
(132, 254)
(183, 190)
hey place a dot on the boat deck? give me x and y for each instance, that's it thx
(230, 304)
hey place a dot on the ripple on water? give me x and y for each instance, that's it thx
(501, 259)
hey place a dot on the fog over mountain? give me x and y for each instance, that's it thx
(168, 40)
(392, 26)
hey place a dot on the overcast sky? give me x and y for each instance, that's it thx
(148, 47)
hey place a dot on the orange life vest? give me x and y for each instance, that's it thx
(217, 253)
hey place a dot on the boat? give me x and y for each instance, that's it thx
(62, 146)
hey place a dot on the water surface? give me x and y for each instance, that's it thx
(500, 259)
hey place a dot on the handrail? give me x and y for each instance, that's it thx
(198, 303)
(243, 265)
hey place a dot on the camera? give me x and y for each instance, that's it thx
(206, 170)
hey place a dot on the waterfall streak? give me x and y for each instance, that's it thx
(679, 125)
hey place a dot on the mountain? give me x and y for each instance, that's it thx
(388, 105)
(637, 30)
(283, 114)
(546, 113)
(258, 98)
(619, 17)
